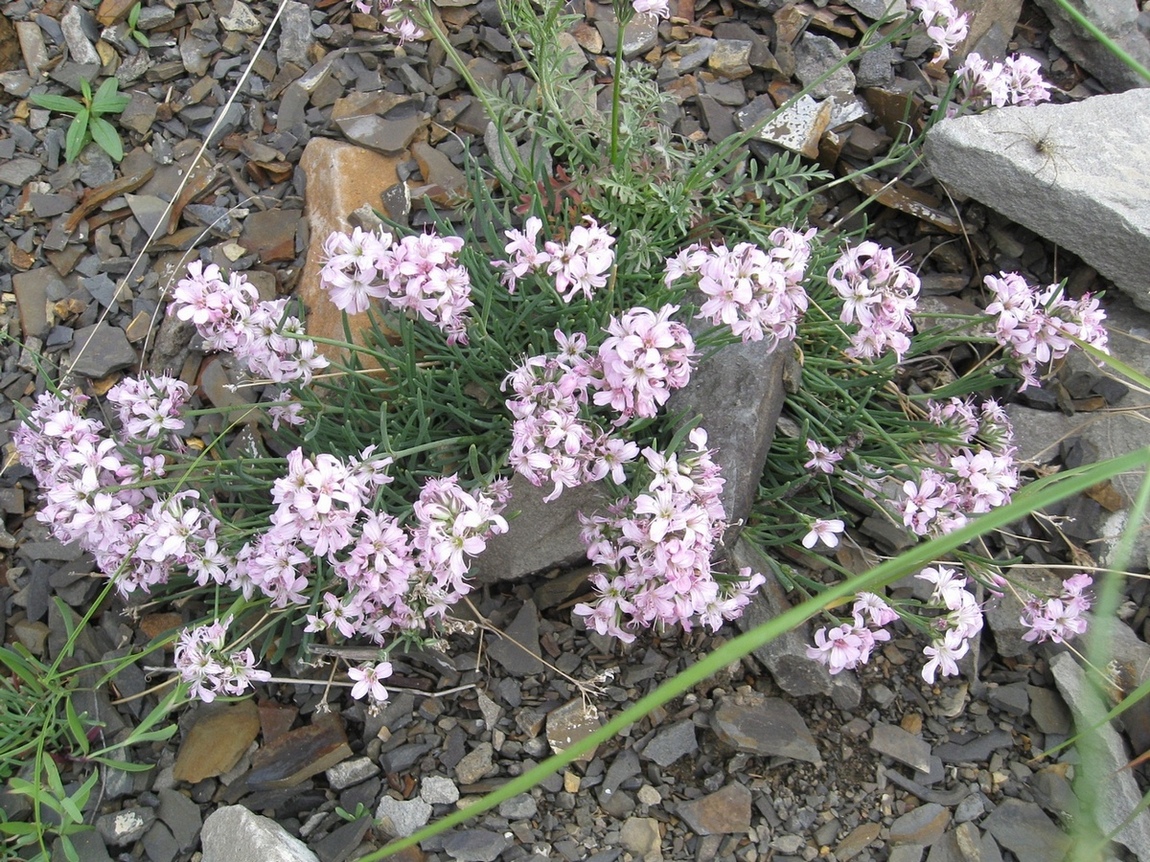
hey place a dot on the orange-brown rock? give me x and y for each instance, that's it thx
(217, 740)
(341, 178)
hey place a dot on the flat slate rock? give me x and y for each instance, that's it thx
(232, 832)
(766, 726)
(1023, 828)
(723, 812)
(902, 746)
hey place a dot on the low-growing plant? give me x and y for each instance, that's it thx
(88, 123)
(133, 30)
(534, 337)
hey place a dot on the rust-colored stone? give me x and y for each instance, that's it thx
(217, 740)
(114, 11)
(299, 754)
(341, 178)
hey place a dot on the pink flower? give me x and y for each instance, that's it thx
(661, 8)
(369, 681)
(943, 656)
(822, 458)
(841, 648)
(825, 531)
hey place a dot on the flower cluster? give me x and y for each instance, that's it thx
(394, 18)
(419, 275)
(660, 8)
(94, 483)
(846, 646)
(652, 554)
(580, 265)
(208, 671)
(756, 293)
(879, 295)
(1061, 617)
(969, 478)
(645, 356)
(1015, 81)
(551, 441)
(944, 25)
(954, 629)
(1039, 326)
(262, 334)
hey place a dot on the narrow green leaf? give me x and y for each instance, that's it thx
(76, 137)
(22, 669)
(56, 103)
(15, 827)
(70, 851)
(71, 810)
(86, 88)
(141, 38)
(125, 765)
(104, 134)
(79, 735)
(134, 16)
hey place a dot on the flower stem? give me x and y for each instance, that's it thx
(622, 19)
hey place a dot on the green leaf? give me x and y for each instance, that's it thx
(134, 16)
(22, 669)
(56, 103)
(108, 100)
(141, 38)
(126, 765)
(79, 735)
(77, 136)
(69, 849)
(18, 828)
(86, 89)
(70, 808)
(104, 134)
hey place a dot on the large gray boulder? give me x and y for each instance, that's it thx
(1075, 174)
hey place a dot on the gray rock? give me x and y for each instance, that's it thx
(1120, 21)
(475, 764)
(739, 392)
(75, 34)
(475, 845)
(625, 765)
(126, 826)
(232, 832)
(351, 772)
(694, 54)
(341, 844)
(296, 34)
(1065, 172)
(1011, 698)
(764, 725)
(519, 652)
(786, 656)
(16, 172)
(922, 826)
(1003, 613)
(159, 844)
(1104, 755)
(182, 817)
(671, 743)
(1022, 828)
(520, 807)
(383, 135)
(101, 349)
(640, 36)
(726, 811)
(814, 57)
(1048, 710)
(400, 818)
(542, 536)
(975, 751)
(140, 113)
(438, 790)
(902, 746)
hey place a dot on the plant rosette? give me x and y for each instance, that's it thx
(88, 123)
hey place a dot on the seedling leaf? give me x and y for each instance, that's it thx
(104, 134)
(56, 103)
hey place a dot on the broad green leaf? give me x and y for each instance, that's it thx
(52, 773)
(108, 100)
(86, 88)
(141, 38)
(56, 103)
(70, 851)
(104, 134)
(76, 138)
(134, 16)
